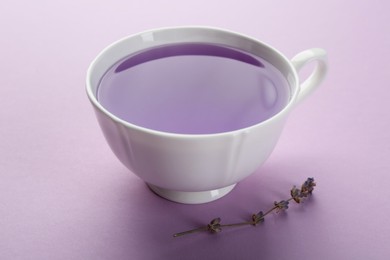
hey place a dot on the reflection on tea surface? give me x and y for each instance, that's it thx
(193, 88)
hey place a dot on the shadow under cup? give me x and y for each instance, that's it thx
(191, 111)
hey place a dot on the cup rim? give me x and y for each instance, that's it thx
(279, 115)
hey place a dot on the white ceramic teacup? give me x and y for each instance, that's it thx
(198, 168)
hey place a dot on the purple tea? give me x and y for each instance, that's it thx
(193, 88)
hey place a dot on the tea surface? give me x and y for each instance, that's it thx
(193, 88)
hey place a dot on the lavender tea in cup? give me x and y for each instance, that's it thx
(193, 88)
(192, 111)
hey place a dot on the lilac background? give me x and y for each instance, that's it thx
(63, 195)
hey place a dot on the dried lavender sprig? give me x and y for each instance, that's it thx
(296, 194)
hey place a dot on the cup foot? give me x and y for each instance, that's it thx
(196, 197)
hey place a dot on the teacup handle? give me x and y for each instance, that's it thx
(318, 74)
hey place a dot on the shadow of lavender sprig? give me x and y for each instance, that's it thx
(296, 194)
